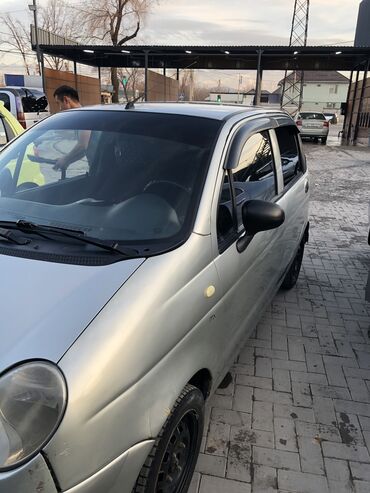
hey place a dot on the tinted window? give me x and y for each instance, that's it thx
(290, 159)
(311, 116)
(255, 172)
(34, 101)
(6, 100)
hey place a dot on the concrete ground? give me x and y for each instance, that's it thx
(296, 417)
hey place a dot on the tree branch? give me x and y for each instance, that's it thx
(133, 35)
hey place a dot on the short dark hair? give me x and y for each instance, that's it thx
(68, 91)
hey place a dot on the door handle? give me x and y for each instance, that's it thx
(306, 186)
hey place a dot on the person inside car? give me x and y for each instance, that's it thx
(67, 98)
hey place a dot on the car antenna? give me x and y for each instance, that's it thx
(131, 104)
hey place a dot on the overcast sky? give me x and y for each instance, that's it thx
(246, 22)
(233, 22)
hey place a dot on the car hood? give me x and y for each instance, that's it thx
(45, 306)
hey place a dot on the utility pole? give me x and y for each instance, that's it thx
(239, 84)
(292, 93)
(191, 81)
(33, 8)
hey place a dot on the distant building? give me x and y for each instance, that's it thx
(265, 95)
(228, 96)
(234, 97)
(30, 81)
(323, 90)
(275, 97)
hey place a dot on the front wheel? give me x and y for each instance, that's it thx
(171, 463)
(291, 277)
(323, 140)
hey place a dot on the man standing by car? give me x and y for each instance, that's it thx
(67, 98)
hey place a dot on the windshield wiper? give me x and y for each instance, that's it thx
(8, 235)
(39, 229)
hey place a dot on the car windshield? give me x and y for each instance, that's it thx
(128, 176)
(312, 116)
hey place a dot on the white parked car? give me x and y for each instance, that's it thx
(314, 125)
(28, 106)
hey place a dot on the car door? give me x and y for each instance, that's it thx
(249, 278)
(294, 196)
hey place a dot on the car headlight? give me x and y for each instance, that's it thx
(33, 397)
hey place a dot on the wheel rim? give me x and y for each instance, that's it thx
(178, 457)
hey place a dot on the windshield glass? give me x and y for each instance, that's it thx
(5, 99)
(34, 101)
(126, 176)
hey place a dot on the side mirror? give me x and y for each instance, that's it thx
(258, 216)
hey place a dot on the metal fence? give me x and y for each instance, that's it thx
(48, 38)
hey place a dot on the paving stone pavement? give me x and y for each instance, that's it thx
(296, 417)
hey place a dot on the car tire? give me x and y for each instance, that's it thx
(323, 140)
(291, 276)
(171, 463)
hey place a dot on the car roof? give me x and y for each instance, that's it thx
(313, 112)
(206, 110)
(21, 90)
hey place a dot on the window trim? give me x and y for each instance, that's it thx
(242, 135)
(302, 159)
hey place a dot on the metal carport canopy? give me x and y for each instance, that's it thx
(344, 58)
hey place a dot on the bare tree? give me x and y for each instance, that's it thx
(56, 17)
(116, 21)
(18, 40)
(184, 85)
(134, 80)
(199, 92)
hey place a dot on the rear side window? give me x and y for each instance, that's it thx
(312, 116)
(289, 151)
(6, 100)
(34, 103)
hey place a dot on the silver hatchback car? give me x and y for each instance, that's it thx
(314, 125)
(130, 280)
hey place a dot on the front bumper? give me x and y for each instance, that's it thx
(117, 477)
(33, 477)
(120, 475)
